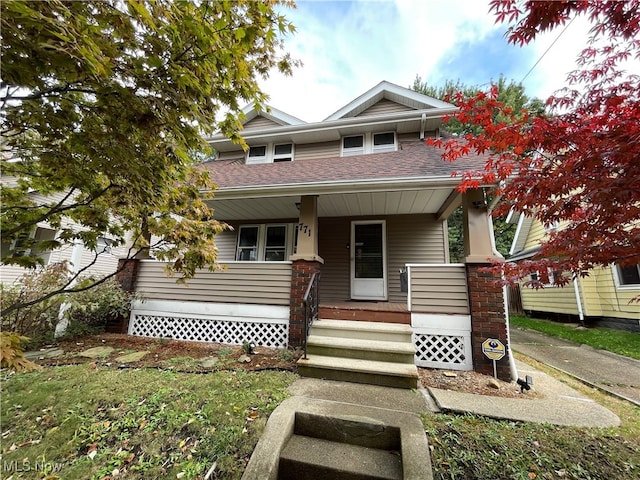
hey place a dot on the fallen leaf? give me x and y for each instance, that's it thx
(92, 454)
(143, 424)
(532, 475)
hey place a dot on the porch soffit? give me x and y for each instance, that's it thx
(421, 201)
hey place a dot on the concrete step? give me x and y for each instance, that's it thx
(390, 332)
(399, 375)
(308, 458)
(378, 350)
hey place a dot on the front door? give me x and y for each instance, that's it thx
(368, 260)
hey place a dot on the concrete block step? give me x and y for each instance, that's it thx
(379, 350)
(391, 332)
(399, 375)
(308, 458)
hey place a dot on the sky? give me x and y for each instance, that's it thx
(348, 47)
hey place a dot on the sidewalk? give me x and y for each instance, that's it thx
(607, 371)
(556, 403)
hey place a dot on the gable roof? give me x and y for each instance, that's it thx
(424, 114)
(392, 92)
(277, 116)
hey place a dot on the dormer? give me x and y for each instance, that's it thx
(378, 121)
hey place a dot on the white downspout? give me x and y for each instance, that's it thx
(423, 125)
(76, 259)
(576, 289)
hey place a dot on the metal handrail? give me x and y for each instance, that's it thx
(311, 306)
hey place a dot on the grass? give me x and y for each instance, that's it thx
(467, 446)
(91, 423)
(617, 341)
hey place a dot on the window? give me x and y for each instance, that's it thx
(353, 145)
(257, 154)
(247, 244)
(276, 243)
(283, 153)
(270, 242)
(384, 142)
(628, 276)
(270, 153)
(368, 143)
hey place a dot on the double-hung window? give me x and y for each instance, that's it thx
(266, 242)
(247, 250)
(368, 143)
(270, 153)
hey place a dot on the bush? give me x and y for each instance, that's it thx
(37, 321)
(89, 311)
(12, 353)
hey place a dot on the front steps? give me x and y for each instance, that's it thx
(361, 352)
(313, 439)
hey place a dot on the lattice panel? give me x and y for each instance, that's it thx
(451, 351)
(207, 330)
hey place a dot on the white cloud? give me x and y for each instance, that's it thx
(348, 47)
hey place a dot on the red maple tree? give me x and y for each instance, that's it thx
(578, 166)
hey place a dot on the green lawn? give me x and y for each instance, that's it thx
(79, 422)
(467, 446)
(617, 341)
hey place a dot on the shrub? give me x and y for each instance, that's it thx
(37, 321)
(89, 311)
(12, 353)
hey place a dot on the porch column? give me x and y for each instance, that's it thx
(305, 263)
(487, 307)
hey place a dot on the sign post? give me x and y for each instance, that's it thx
(494, 350)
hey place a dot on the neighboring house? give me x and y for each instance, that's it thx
(358, 198)
(604, 297)
(101, 262)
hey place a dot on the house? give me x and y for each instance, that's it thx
(351, 210)
(603, 298)
(99, 262)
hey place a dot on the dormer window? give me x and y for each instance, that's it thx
(368, 143)
(283, 153)
(353, 145)
(384, 142)
(270, 153)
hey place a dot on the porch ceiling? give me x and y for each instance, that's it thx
(334, 204)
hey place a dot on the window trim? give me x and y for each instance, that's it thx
(617, 279)
(368, 144)
(270, 155)
(261, 246)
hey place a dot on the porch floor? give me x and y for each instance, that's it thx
(366, 311)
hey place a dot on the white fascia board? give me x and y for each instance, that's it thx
(272, 113)
(338, 186)
(333, 126)
(385, 86)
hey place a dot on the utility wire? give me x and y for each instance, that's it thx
(547, 50)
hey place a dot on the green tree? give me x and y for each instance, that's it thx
(105, 107)
(513, 96)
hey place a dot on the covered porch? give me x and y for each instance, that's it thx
(451, 308)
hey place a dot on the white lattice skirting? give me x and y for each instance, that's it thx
(442, 341)
(234, 324)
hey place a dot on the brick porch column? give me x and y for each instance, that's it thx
(488, 319)
(305, 263)
(301, 273)
(128, 273)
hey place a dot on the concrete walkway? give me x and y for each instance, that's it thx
(605, 370)
(554, 403)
